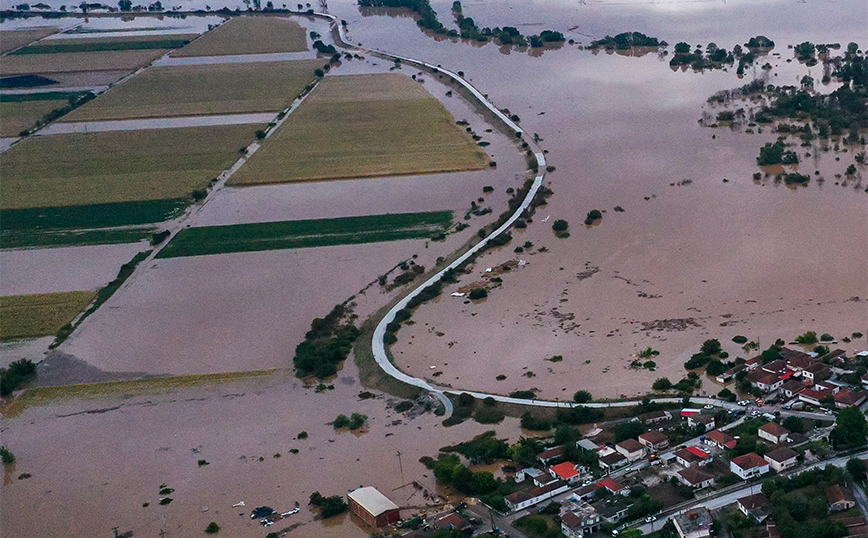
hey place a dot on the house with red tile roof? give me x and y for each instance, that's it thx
(773, 432)
(695, 477)
(765, 381)
(691, 456)
(814, 397)
(756, 506)
(720, 439)
(816, 372)
(550, 454)
(613, 487)
(566, 471)
(792, 388)
(840, 498)
(522, 499)
(850, 398)
(749, 466)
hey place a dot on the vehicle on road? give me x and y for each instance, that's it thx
(650, 519)
(708, 406)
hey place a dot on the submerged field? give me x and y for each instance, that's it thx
(13, 39)
(143, 42)
(306, 233)
(28, 316)
(128, 166)
(364, 125)
(206, 89)
(18, 116)
(249, 35)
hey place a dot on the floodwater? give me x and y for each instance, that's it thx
(155, 123)
(236, 312)
(231, 427)
(48, 270)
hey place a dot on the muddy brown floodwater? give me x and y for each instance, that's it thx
(94, 464)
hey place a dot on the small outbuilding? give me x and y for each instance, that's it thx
(373, 507)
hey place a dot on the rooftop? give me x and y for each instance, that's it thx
(702, 419)
(613, 458)
(630, 445)
(565, 470)
(554, 452)
(761, 376)
(775, 429)
(756, 500)
(374, 502)
(722, 438)
(850, 397)
(793, 386)
(610, 484)
(749, 461)
(694, 476)
(781, 454)
(837, 494)
(696, 451)
(693, 520)
(816, 368)
(654, 437)
(818, 395)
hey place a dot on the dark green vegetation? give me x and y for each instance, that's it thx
(593, 216)
(850, 429)
(468, 28)
(212, 528)
(17, 374)
(81, 225)
(47, 47)
(305, 233)
(42, 96)
(6, 456)
(353, 422)
(714, 57)
(102, 296)
(800, 509)
(627, 40)
(326, 344)
(25, 81)
(329, 506)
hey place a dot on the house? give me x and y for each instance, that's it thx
(695, 478)
(530, 472)
(720, 439)
(522, 499)
(840, 498)
(587, 445)
(756, 506)
(654, 417)
(796, 360)
(837, 357)
(749, 466)
(579, 521)
(792, 388)
(706, 420)
(765, 381)
(814, 397)
(654, 441)
(777, 367)
(691, 456)
(774, 433)
(585, 492)
(695, 523)
(781, 458)
(373, 507)
(452, 521)
(753, 363)
(631, 449)
(566, 471)
(850, 398)
(550, 454)
(816, 372)
(613, 460)
(729, 374)
(613, 511)
(613, 487)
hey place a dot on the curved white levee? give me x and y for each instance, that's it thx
(378, 345)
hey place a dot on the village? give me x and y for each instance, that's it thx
(689, 470)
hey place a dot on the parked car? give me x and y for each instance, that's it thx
(649, 519)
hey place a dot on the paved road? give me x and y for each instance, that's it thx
(155, 123)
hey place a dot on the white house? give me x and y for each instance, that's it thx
(695, 478)
(705, 420)
(522, 499)
(695, 523)
(630, 449)
(580, 521)
(749, 466)
(782, 458)
(774, 433)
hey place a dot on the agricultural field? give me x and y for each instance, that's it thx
(78, 61)
(306, 233)
(18, 116)
(97, 44)
(360, 126)
(122, 166)
(199, 90)
(29, 316)
(13, 39)
(249, 35)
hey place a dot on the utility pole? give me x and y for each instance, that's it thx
(401, 467)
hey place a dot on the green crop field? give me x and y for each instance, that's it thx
(15, 117)
(58, 46)
(122, 166)
(69, 238)
(249, 35)
(360, 126)
(28, 316)
(78, 61)
(202, 89)
(12, 39)
(306, 233)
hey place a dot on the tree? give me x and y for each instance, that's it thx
(566, 434)
(593, 216)
(582, 396)
(715, 368)
(794, 424)
(316, 498)
(6, 455)
(727, 395)
(662, 384)
(342, 421)
(212, 528)
(628, 430)
(560, 225)
(682, 48)
(850, 428)
(711, 347)
(127, 5)
(856, 468)
(332, 506)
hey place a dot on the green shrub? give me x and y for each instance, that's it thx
(662, 384)
(6, 455)
(593, 216)
(478, 293)
(582, 396)
(212, 528)
(560, 225)
(488, 415)
(342, 421)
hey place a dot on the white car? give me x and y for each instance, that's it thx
(650, 519)
(709, 406)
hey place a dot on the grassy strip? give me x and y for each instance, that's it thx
(66, 238)
(46, 395)
(41, 96)
(41, 314)
(46, 47)
(91, 216)
(306, 233)
(370, 373)
(102, 296)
